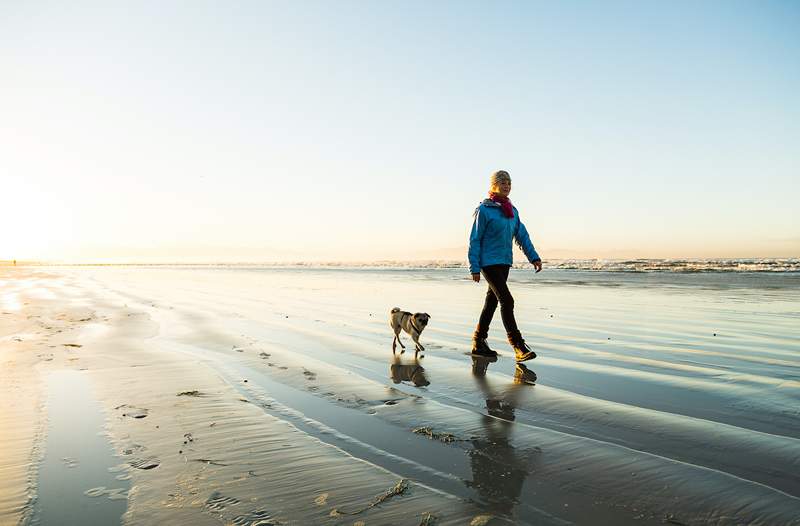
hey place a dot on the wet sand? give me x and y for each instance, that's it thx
(77, 449)
(271, 396)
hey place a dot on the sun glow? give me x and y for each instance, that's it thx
(34, 223)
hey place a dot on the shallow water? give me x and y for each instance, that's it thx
(78, 484)
(660, 396)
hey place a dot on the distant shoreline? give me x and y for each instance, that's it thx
(697, 265)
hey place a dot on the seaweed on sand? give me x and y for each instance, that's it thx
(447, 438)
(398, 489)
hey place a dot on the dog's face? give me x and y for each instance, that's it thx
(421, 319)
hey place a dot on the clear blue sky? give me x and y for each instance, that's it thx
(367, 130)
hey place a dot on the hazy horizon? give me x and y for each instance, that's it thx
(367, 131)
(789, 263)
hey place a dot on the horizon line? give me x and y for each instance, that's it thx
(342, 262)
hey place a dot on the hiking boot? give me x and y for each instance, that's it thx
(523, 351)
(481, 348)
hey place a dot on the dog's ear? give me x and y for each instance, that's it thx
(428, 315)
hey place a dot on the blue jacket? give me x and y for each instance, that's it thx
(491, 235)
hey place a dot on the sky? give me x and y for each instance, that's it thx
(254, 131)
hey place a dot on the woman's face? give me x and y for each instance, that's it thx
(502, 188)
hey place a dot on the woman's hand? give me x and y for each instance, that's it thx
(476, 277)
(537, 265)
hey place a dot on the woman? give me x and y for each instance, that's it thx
(496, 223)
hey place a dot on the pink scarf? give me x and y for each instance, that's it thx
(504, 202)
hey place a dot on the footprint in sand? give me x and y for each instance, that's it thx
(310, 375)
(132, 412)
(111, 493)
(264, 355)
(144, 463)
(218, 502)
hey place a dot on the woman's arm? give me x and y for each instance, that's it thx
(475, 239)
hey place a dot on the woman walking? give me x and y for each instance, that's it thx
(496, 223)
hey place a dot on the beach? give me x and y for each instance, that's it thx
(259, 395)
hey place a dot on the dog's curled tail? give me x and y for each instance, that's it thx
(396, 309)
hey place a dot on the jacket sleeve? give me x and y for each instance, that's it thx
(524, 241)
(475, 240)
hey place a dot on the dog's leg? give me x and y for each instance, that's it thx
(394, 343)
(418, 346)
(400, 342)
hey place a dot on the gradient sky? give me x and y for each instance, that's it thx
(355, 130)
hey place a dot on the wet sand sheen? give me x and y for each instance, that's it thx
(299, 328)
(198, 453)
(258, 397)
(76, 485)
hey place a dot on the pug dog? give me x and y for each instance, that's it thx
(413, 324)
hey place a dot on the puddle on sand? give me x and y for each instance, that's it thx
(76, 485)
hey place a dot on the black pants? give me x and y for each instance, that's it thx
(496, 276)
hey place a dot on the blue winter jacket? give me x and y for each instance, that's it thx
(491, 235)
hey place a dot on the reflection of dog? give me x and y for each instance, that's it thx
(413, 324)
(413, 373)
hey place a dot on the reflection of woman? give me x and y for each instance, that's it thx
(496, 223)
(499, 470)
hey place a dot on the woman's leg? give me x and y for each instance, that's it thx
(496, 276)
(489, 306)
(497, 281)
